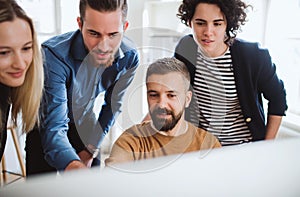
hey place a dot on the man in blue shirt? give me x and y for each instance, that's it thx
(96, 59)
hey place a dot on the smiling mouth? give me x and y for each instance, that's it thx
(16, 74)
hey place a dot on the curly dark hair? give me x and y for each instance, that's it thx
(234, 11)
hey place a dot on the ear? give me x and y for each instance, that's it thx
(188, 98)
(125, 25)
(79, 22)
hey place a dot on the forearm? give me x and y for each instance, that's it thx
(273, 124)
(119, 155)
(111, 108)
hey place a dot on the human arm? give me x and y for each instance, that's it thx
(274, 91)
(273, 124)
(86, 161)
(122, 150)
(73, 165)
(54, 125)
(113, 98)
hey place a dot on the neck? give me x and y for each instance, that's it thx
(221, 51)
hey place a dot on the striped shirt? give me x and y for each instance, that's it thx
(217, 108)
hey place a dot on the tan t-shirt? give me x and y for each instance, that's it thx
(141, 141)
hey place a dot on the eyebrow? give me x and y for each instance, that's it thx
(30, 42)
(202, 20)
(7, 47)
(153, 91)
(93, 31)
(4, 47)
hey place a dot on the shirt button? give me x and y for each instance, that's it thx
(248, 120)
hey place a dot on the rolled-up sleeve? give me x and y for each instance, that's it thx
(271, 86)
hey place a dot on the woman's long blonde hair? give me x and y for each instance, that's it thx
(26, 98)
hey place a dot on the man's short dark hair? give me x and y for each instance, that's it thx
(167, 65)
(103, 6)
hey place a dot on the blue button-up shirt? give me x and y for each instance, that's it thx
(71, 87)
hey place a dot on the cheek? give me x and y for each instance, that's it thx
(221, 33)
(179, 104)
(151, 104)
(196, 30)
(197, 35)
(1, 73)
(89, 42)
(29, 58)
(115, 43)
(5, 64)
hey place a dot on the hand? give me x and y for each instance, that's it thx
(86, 157)
(75, 165)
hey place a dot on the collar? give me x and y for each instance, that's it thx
(119, 54)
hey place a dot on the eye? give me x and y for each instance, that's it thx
(172, 96)
(27, 48)
(113, 35)
(218, 24)
(4, 53)
(152, 95)
(200, 23)
(93, 34)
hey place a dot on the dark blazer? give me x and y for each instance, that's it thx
(255, 78)
(4, 110)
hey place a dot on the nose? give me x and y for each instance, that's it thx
(19, 61)
(103, 45)
(208, 30)
(162, 102)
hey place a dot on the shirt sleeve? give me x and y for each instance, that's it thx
(57, 148)
(271, 86)
(122, 150)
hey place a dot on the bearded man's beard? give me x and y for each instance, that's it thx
(164, 124)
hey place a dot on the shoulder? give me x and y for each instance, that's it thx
(186, 41)
(64, 49)
(61, 40)
(139, 130)
(186, 50)
(127, 45)
(243, 46)
(131, 57)
(249, 53)
(199, 131)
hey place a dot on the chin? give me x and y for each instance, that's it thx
(15, 84)
(106, 63)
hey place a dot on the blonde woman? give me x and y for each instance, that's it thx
(21, 70)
